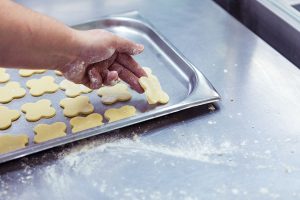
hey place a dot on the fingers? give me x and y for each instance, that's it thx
(95, 78)
(98, 73)
(126, 46)
(109, 77)
(128, 62)
(127, 76)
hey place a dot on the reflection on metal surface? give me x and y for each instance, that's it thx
(276, 22)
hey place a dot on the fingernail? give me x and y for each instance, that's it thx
(139, 48)
(94, 83)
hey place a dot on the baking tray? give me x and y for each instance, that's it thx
(186, 86)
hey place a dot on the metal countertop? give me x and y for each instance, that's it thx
(247, 148)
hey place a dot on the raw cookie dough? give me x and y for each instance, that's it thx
(76, 106)
(115, 114)
(45, 132)
(72, 90)
(83, 123)
(113, 94)
(4, 77)
(10, 91)
(41, 86)
(36, 111)
(153, 90)
(7, 116)
(30, 72)
(10, 143)
(58, 73)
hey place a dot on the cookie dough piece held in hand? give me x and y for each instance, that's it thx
(83, 123)
(30, 72)
(45, 132)
(72, 90)
(10, 91)
(76, 106)
(7, 116)
(4, 77)
(153, 90)
(113, 94)
(10, 143)
(40, 109)
(41, 86)
(115, 114)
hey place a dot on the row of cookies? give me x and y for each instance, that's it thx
(46, 84)
(72, 107)
(5, 77)
(45, 132)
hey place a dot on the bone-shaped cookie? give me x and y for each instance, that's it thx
(72, 90)
(76, 106)
(30, 72)
(4, 77)
(45, 132)
(10, 91)
(11, 142)
(113, 94)
(40, 109)
(152, 88)
(7, 116)
(41, 86)
(83, 123)
(115, 114)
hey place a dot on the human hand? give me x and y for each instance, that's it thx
(102, 58)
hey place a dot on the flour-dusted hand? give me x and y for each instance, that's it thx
(102, 58)
(30, 40)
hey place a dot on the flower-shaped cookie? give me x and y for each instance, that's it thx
(4, 77)
(41, 86)
(153, 90)
(10, 91)
(115, 114)
(76, 106)
(84, 123)
(12, 142)
(36, 111)
(7, 116)
(72, 90)
(45, 132)
(112, 94)
(30, 72)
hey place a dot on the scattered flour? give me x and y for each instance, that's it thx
(266, 192)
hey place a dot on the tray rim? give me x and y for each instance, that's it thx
(186, 103)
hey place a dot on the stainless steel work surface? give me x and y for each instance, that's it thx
(248, 148)
(185, 85)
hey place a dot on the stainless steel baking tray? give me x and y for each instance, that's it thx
(186, 86)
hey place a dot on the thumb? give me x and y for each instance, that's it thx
(128, 47)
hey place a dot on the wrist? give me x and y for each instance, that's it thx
(70, 51)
